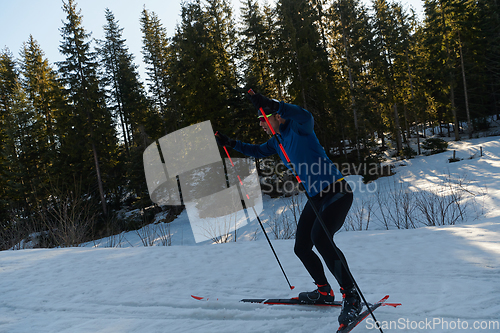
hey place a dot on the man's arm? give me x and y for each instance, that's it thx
(257, 151)
(303, 121)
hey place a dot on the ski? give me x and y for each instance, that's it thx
(275, 301)
(288, 301)
(365, 314)
(294, 301)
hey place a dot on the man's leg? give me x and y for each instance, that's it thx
(303, 246)
(334, 216)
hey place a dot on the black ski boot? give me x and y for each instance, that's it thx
(351, 307)
(323, 294)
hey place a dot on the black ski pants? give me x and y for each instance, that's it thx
(333, 203)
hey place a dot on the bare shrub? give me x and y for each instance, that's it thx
(284, 222)
(158, 234)
(282, 227)
(115, 240)
(450, 202)
(68, 218)
(361, 211)
(17, 232)
(396, 204)
(446, 203)
(223, 230)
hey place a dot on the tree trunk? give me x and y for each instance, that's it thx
(397, 128)
(413, 99)
(448, 65)
(469, 124)
(351, 87)
(99, 179)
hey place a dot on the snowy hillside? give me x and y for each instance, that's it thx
(446, 277)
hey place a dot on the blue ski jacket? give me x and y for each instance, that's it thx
(302, 146)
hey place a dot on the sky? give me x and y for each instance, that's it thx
(21, 18)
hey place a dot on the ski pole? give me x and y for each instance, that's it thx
(245, 193)
(318, 215)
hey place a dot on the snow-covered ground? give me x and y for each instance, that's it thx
(446, 277)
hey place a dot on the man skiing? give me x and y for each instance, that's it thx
(327, 188)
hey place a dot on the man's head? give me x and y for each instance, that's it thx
(274, 119)
(268, 113)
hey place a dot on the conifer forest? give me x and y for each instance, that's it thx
(73, 132)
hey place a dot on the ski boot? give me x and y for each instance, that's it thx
(351, 307)
(324, 294)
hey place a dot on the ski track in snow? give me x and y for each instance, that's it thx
(448, 273)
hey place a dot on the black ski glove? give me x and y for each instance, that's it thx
(224, 140)
(260, 101)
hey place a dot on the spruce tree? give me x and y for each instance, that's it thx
(352, 54)
(9, 193)
(126, 95)
(223, 40)
(488, 16)
(85, 125)
(303, 62)
(20, 171)
(156, 54)
(40, 82)
(127, 100)
(473, 82)
(391, 65)
(203, 71)
(256, 47)
(442, 55)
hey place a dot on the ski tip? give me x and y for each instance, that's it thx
(394, 305)
(197, 297)
(341, 328)
(292, 287)
(384, 299)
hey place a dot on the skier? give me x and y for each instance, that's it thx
(328, 190)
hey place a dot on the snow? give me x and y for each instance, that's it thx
(446, 277)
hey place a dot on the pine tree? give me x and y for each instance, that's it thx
(300, 44)
(488, 48)
(9, 81)
(126, 95)
(20, 171)
(85, 126)
(127, 100)
(256, 53)
(303, 62)
(473, 88)
(352, 53)
(439, 42)
(156, 54)
(390, 29)
(223, 43)
(255, 47)
(44, 93)
(203, 77)
(9, 84)
(413, 94)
